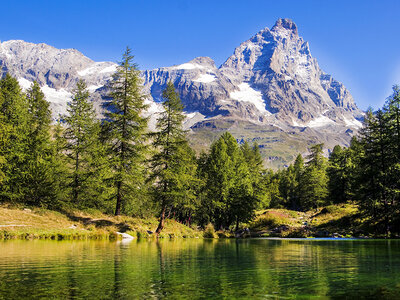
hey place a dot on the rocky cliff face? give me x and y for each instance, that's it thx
(270, 84)
(56, 70)
(270, 78)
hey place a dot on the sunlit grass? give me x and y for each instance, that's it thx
(37, 223)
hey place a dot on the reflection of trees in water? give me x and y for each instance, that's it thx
(202, 269)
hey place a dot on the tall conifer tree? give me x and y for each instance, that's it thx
(81, 135)
(39, 175)
(126, 126)
(314, 182)
(174, 164)
(14, 147)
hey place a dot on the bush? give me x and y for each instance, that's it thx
(268, 220)
(209, 231)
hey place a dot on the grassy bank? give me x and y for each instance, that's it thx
(36, 223)
(341, 220)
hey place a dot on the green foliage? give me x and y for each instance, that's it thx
(173, 164)
(209, 231)
(229, 188)
(84, 151)
(341, 173)
(269, 220)
(14, 150)
(39, 177)
(379, 164)
(126, 128)
(273, 195)
(313, 183)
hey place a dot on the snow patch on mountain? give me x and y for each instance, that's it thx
(110, 69)
(205, 78)
(320, 122)
(192, 118)
(92, 88)
(24, 83)
(352, 123)
(56, 96)
(100, 67)
(247, 94)
(187, 66)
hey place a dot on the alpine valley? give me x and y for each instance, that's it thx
(270, 91)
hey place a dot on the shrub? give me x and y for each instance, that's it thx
(209, 231)
(268, 220)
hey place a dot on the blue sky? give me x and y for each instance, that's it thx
(358, 42)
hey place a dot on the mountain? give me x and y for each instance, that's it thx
(56, 70)
(270, 90)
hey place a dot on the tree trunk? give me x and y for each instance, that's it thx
(162, 219)
(76, 177)
(119, 199)
(237, 223)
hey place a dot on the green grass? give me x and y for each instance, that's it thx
(341, 219)
(37, 223)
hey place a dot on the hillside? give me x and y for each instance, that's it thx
(37, 223)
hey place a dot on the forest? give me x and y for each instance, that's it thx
(116, 165)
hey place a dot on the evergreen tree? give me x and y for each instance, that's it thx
(392, 118)
(39, 177)
(287, 187)
(298, 173)
(126, 126)
(60, 163)
(273, 193)
(314, 182)
(230, 196)
(14, 147)
(253, 159)
(174, 164)
(340, 172)
(82, 146)
(379, 170)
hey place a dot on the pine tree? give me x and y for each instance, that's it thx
(39, 177)
(287, 186)
(379, 170)
(392, 112)
(126, 126)
(273, 193)
(82, 144)
(173, 165)
(230, 198)
(60, 164)
(253, 159)
(298, 173)
(314, 182)
(340, 172)
(14, 147)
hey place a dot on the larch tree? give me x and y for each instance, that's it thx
(174, 164)
(81, 136)
(230, 197)
(127, 131)
(314, 182)
(14, 147)
(39, 176)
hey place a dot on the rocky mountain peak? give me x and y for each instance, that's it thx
(285, 24)
(270, 81)
(203, 61)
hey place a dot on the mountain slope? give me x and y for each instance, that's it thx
(270, 90)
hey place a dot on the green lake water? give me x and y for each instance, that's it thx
(201, 269)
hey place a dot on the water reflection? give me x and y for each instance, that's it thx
(200, 269)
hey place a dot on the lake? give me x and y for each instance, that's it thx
(206, 269)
